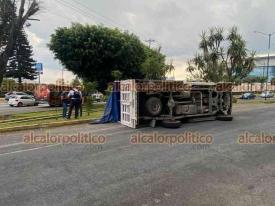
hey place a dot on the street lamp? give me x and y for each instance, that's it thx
(268, 57)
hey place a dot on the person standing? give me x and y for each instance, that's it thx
(75, 96)
(65, 101)
(81, 101)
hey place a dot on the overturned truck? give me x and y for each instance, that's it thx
(172, 102)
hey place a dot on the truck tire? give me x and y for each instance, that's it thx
(171, 124)
(153, 106)
(224, 118)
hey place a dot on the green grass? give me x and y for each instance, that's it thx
(96, 112)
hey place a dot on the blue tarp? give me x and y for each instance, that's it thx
(112, 109)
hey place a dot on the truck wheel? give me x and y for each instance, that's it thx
(153, 106)
(172, 124)
(224, 118)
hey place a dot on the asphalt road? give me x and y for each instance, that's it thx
(5, 109)
(120, 173)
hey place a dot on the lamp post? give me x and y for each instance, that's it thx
(268, 56)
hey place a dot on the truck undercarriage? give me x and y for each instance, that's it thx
(172, 102)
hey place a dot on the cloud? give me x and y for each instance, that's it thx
(175, 25)
(33, 38)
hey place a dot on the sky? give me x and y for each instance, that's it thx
(173, 24)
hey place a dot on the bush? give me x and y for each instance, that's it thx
(88, 103)
(234, 100)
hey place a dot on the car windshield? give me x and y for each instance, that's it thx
(19, 93)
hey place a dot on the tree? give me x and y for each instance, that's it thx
(8, 85)
(11, 23)
(261, 80)
(21, 65)
(116, 74)
(76, 82)
(154, 66)
(223, 57)
(94, 52)
(254, 79)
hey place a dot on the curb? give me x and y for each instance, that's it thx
(45, 125)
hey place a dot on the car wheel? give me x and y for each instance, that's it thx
(224, 118)
(153, 106)
(20, 104)
(171, 124)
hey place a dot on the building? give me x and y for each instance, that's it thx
(261, 66)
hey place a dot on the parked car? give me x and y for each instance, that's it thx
(10, 94)
(248, 95)
(267, 94)
(22, 100)
(97, 96)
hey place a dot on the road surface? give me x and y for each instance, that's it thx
(5, 109)
(120, 173)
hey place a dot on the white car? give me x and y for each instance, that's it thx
(22, 100)
(267, 94)
(12, 94)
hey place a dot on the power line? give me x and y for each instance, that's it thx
(82, 9)
(105, 17)
(75, 9)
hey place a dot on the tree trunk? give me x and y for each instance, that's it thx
(16, 26)
(3, 65)
(1, 76)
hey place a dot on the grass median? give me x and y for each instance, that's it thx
(43, 118)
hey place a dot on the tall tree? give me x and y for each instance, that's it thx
(154, 65)
(94, 52)
(11, 23)
(21, 65)
(76, 82)
(222, 57)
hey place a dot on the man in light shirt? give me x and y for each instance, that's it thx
(76, 99)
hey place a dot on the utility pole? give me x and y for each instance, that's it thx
(268, 58)
(62, 75)
(150, 41)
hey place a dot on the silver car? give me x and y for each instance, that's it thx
(267, 94)
(12, 94)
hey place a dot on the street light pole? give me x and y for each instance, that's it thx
(268, 58)
(150, 41)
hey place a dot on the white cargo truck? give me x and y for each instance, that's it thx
(171, 102)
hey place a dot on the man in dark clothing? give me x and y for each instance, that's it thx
(75, 96)
(65, 101)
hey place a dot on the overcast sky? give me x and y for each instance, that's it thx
(174, 24)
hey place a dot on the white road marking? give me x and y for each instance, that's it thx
(37, 148)
(11, 145)
(26, 150)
